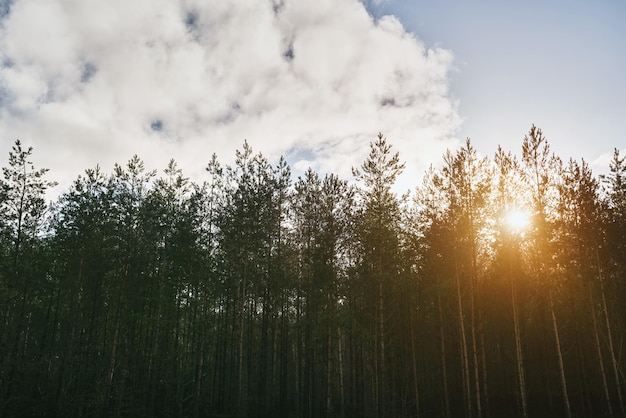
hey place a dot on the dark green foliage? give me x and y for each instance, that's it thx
(24, 281)
(249, 295)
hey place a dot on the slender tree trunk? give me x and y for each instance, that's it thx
(464, 356)
(475, 356)
(473, 286)
(199, 372)
(584, 380)
(51, 401)
(328, 382)
(283, 399)
(341, 382)
(241, 385)
(444, 368)
(484, 371)
(518, 347)
(376, 371)
(264, 352)
(596, 338)
(298, 361)
(114, 345)
(557, 340)
(614, 361)
(154, 353)
(382, 402)
(415, 385)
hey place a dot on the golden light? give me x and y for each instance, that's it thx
(517, 220)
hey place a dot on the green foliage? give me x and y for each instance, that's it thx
(145, 294)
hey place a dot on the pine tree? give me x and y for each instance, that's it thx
(379, 245)
(22, 211)
(540, 168)
(510, 196)
(83, 225)
(613, 277)
(321, 211)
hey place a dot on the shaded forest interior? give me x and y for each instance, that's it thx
(254, 294)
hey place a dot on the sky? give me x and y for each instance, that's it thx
(87, 82)
(557, 64)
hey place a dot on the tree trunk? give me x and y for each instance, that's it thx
(241, 386)
(464, 356)
(596, 338)
(444, 369)
(614, 361)
(559, 354)
(341, 382)
(484, 370)
(415, 385)
(382, 404)
(473, 308)
(518, 348)
(475, 355)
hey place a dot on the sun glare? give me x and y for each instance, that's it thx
(517, 220)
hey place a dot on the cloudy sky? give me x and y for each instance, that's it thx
(559, 64)
(89, 82)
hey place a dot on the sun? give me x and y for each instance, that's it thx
(517, 220)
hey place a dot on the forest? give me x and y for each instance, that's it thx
(494, 288)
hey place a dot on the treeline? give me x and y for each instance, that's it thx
(254, 294)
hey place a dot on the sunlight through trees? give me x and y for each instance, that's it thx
(494, 288)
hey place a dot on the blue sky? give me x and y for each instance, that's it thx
(557, 64)
(95, 82)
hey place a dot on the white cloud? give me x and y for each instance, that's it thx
(90, 82)
(602, 163)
